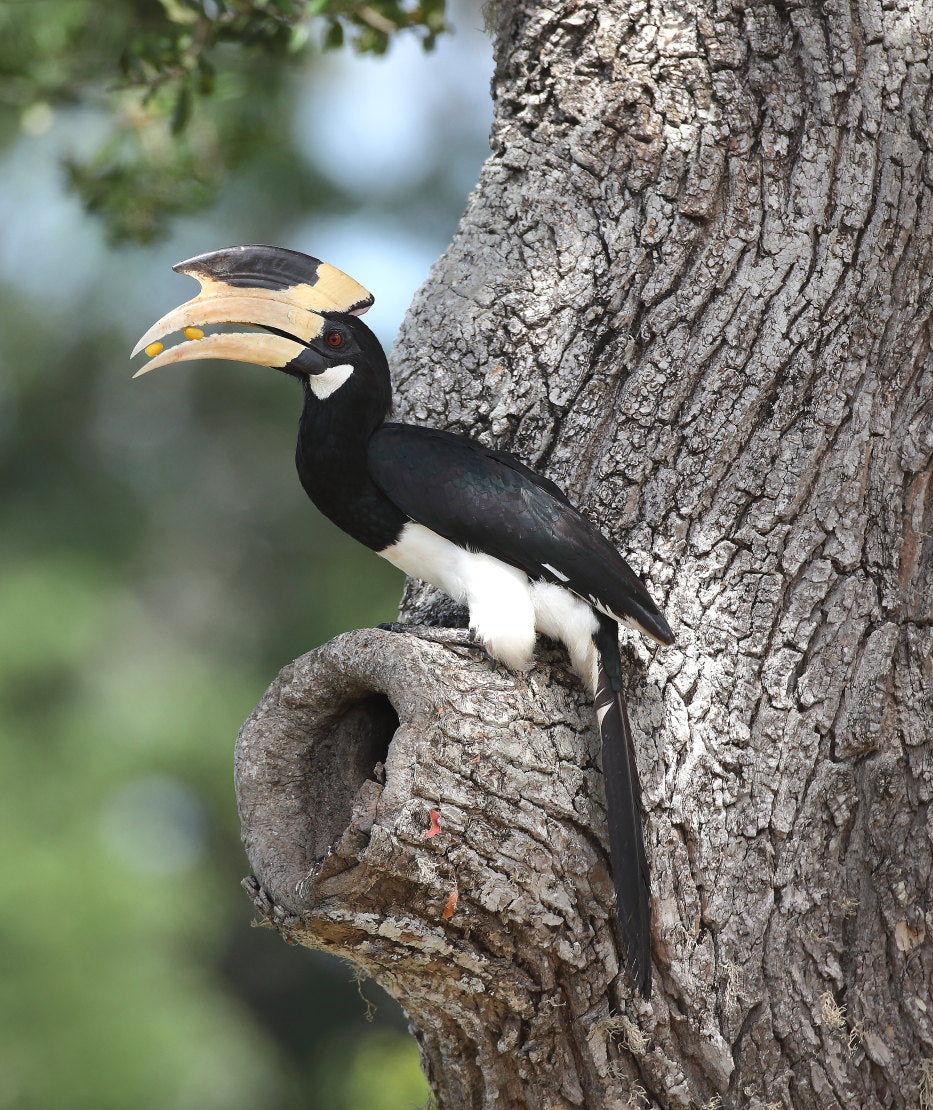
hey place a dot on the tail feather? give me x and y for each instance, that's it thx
(623, 806)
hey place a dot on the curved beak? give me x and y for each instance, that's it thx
(281, 290)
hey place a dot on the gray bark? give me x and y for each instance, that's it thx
(693, 286)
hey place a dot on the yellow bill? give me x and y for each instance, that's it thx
(219, 304)
(245, 346)
(267, 287)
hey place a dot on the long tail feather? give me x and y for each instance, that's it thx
(623, 805)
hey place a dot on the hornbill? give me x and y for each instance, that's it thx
(475, 522)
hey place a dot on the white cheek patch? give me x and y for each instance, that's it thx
(330, 380)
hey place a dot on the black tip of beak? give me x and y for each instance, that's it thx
(256, 266)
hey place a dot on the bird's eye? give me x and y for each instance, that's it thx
(334, 338)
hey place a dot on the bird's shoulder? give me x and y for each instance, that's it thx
(433, 453)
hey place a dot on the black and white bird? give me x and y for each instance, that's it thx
(477, 523)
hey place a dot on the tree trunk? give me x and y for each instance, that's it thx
(694, 287)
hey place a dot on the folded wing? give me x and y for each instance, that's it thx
(488, 501)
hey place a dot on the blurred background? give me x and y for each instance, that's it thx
(160, 561)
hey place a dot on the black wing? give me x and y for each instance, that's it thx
(488, 501)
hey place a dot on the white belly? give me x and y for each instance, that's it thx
(506, 609)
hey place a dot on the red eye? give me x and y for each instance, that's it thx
(334, 338)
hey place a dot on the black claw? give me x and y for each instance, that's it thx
(393, 626)
(476, 645)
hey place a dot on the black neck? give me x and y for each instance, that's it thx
(331, 457)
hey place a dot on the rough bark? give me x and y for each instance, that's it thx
(694, 286)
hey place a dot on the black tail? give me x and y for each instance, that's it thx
(623, 807)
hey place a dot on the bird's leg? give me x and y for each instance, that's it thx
(393, 626)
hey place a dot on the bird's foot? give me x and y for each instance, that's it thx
(474, 644)
(471, 644)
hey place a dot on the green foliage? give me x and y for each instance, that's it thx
(178, 83)
(136, 194)
(94, 972)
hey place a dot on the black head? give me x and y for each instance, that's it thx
(345, 364)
